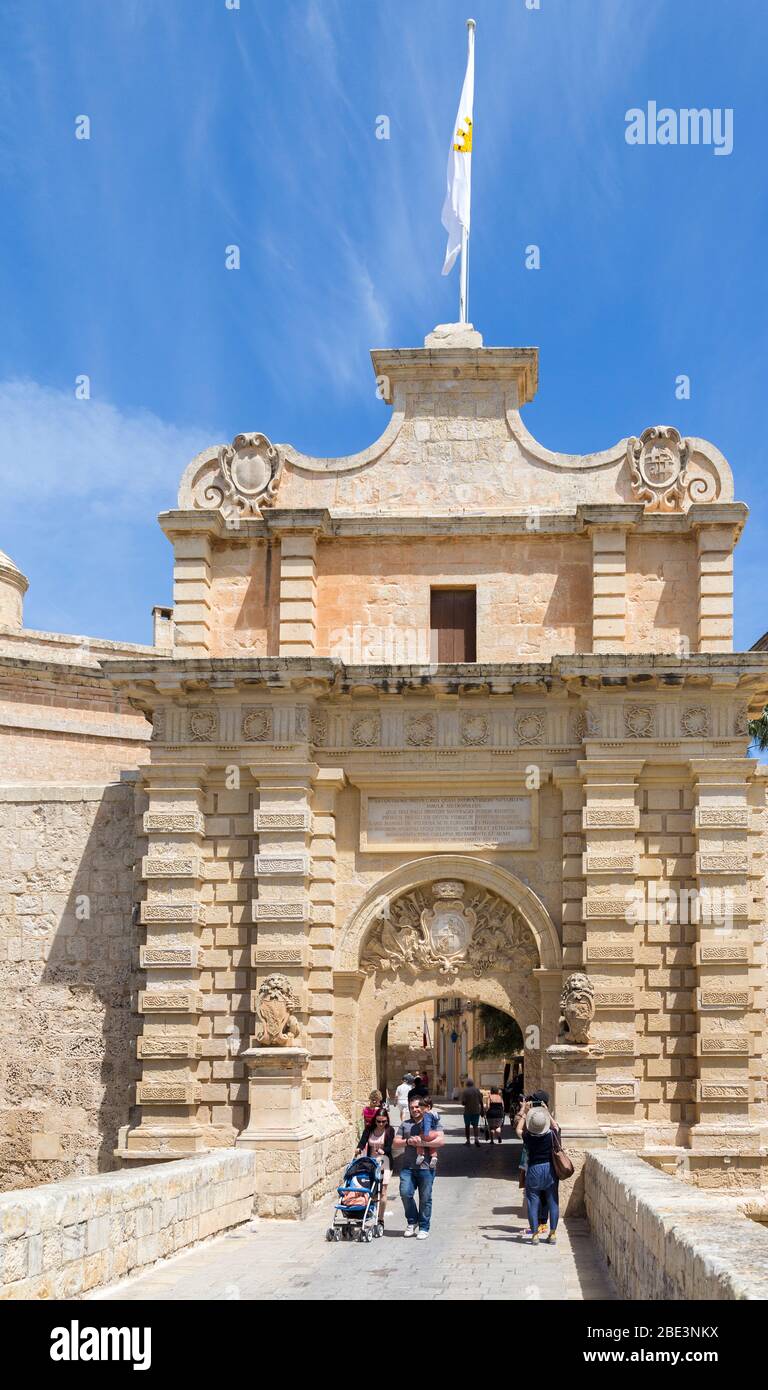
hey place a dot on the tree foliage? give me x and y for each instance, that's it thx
(758, 729)
(503, 1037)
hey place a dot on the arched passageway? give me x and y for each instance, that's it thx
(435, 928)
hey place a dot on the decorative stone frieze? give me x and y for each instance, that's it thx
(722, 1090)
(722, 817)
(202, 725)
(169, 1001)
(161, 914)
(366, 730)
(474, 729)
(606, 999)
(530, 726)
(166, 1046)
(621, 1089)
(165, 867)
(695, 722)
(166, 1093)
(274, 865)
(730, 863)
(716, 952)
(613, 953)
(610, 863)
(256, 725)
(280, 911)
(282, 820)
(168, 957)
(640, 721)
(174, 823)
(721, 1000)
(610, 818)
(723, 1044)
(278, 955)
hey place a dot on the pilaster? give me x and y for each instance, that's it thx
(715, 558)
(609, 588)
(173, 917)
(322, 929)
(298, 593)
(730, 956)
(611, 868)
(192, 594)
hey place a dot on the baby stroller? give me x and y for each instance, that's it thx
(355, 1215)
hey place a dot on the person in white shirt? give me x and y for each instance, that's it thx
(401, 1096)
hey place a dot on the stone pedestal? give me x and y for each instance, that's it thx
(280, 1130)
(275, 1081)
(574, 1105)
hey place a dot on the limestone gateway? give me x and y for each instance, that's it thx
(454, 716)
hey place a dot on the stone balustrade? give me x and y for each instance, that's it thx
(63, 1239)
(664, 1239)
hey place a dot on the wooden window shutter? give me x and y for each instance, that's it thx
(453, 622)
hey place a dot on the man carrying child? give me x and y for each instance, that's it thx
(418, 1138)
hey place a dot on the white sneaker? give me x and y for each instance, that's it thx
(423, 1235)
(409, 1231)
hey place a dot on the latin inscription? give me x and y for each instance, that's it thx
(454, 821)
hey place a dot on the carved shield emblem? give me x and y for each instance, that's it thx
(657, 463)
(449, 928)
(250, 468)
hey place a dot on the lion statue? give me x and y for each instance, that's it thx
(276, 1025)
(577, 1008)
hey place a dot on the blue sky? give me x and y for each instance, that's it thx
(257, 127)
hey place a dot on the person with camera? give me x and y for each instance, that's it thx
(539, 1131)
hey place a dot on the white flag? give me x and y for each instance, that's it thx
(457, 199)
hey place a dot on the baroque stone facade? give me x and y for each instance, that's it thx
(323, 800)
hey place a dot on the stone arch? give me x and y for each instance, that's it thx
(529, 991)
(480, 872)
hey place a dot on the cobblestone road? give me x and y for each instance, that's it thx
(475, 1250)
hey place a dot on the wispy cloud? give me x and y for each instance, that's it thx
(63, 451)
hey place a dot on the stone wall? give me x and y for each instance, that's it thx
(64, 1239)
(665, 1240)
(534, 596)
(68, 978)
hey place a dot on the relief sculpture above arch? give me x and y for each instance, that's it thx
(450, 927)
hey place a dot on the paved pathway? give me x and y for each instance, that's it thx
(475, 1250)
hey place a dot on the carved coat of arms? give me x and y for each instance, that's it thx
(249, 472)
(436, 930)
(657, 463)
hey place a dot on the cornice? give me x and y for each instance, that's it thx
(318, 678)
(329, 524)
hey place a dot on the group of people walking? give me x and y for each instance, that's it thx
(417, 1138)
(420, 1135)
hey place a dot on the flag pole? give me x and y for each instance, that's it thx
(464, 266)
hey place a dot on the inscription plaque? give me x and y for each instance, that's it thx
(447, 822)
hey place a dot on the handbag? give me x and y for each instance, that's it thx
(561, 1162)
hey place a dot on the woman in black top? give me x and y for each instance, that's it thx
(495, 1114)
(376, 1142)
(541, 1189)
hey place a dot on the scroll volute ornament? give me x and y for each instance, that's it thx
(275, 1024)
(658, 462)
(577, 1008)
(249, 472)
